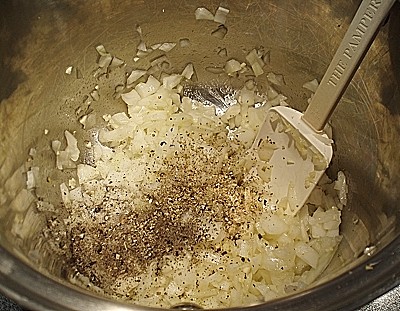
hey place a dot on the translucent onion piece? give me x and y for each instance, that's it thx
(187, 73)
(232, 66)
(311, 85)
(220, 15)
(167, 46)
(135, 75)
(203, 13)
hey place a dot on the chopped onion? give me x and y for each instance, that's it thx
(274, 225)
(311, 85)
(255, 62)
(341, 187)
(135, 75)
(232, 111)
(95, 95)
(72, 146)
(167, 46)
(155, 46)
(101, 50)
(275, 79)
(142, 46)
(86, 173)
(159, 60)
(116, 62)
(184, 42)
(232, 66)
(131, 98)
(139, 30)
(220, 15)
(65, 193)
(187, 73)
(171, 81)
(105, 60)
(307, 253)
(68, 71)
(203, 13)
(32, 177)
(148, 88)
(32, 152)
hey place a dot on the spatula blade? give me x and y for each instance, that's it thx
(299, 160)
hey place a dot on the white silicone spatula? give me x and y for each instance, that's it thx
(302, 152)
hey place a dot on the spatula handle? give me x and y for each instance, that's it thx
(348, 57)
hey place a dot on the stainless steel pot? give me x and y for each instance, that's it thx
(40, 39)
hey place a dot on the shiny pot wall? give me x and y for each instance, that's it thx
(40, 39)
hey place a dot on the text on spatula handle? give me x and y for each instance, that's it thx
(355, 41)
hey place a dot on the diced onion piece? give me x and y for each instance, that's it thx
(275, 78)
(184, 42)
(32, 152)
(255, 62)
(247, 97)
(95, 95)
(131, 98)
(72, 183)
(307, 253)
(171, 81)
(56, 146)
(232, 111)
(135, 75)
(203, 13)
(142, 54)
(156, 46)
(76, 194)
(220, 15)
(72, 146)
(148, 88)
(274, 225)
(159, 60)
(65, 193)
(167, 46)
(104, 60)
(116, 62)
(119, 119)
(101, 50)
(86, 173)
(341, 187)
(266, 150)
(68, 71)
(139, 30)
(32, 177)
(257, 69)
(142, 46)
(272, 93)
(187, 73)
(232, 66)
(311, 85)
